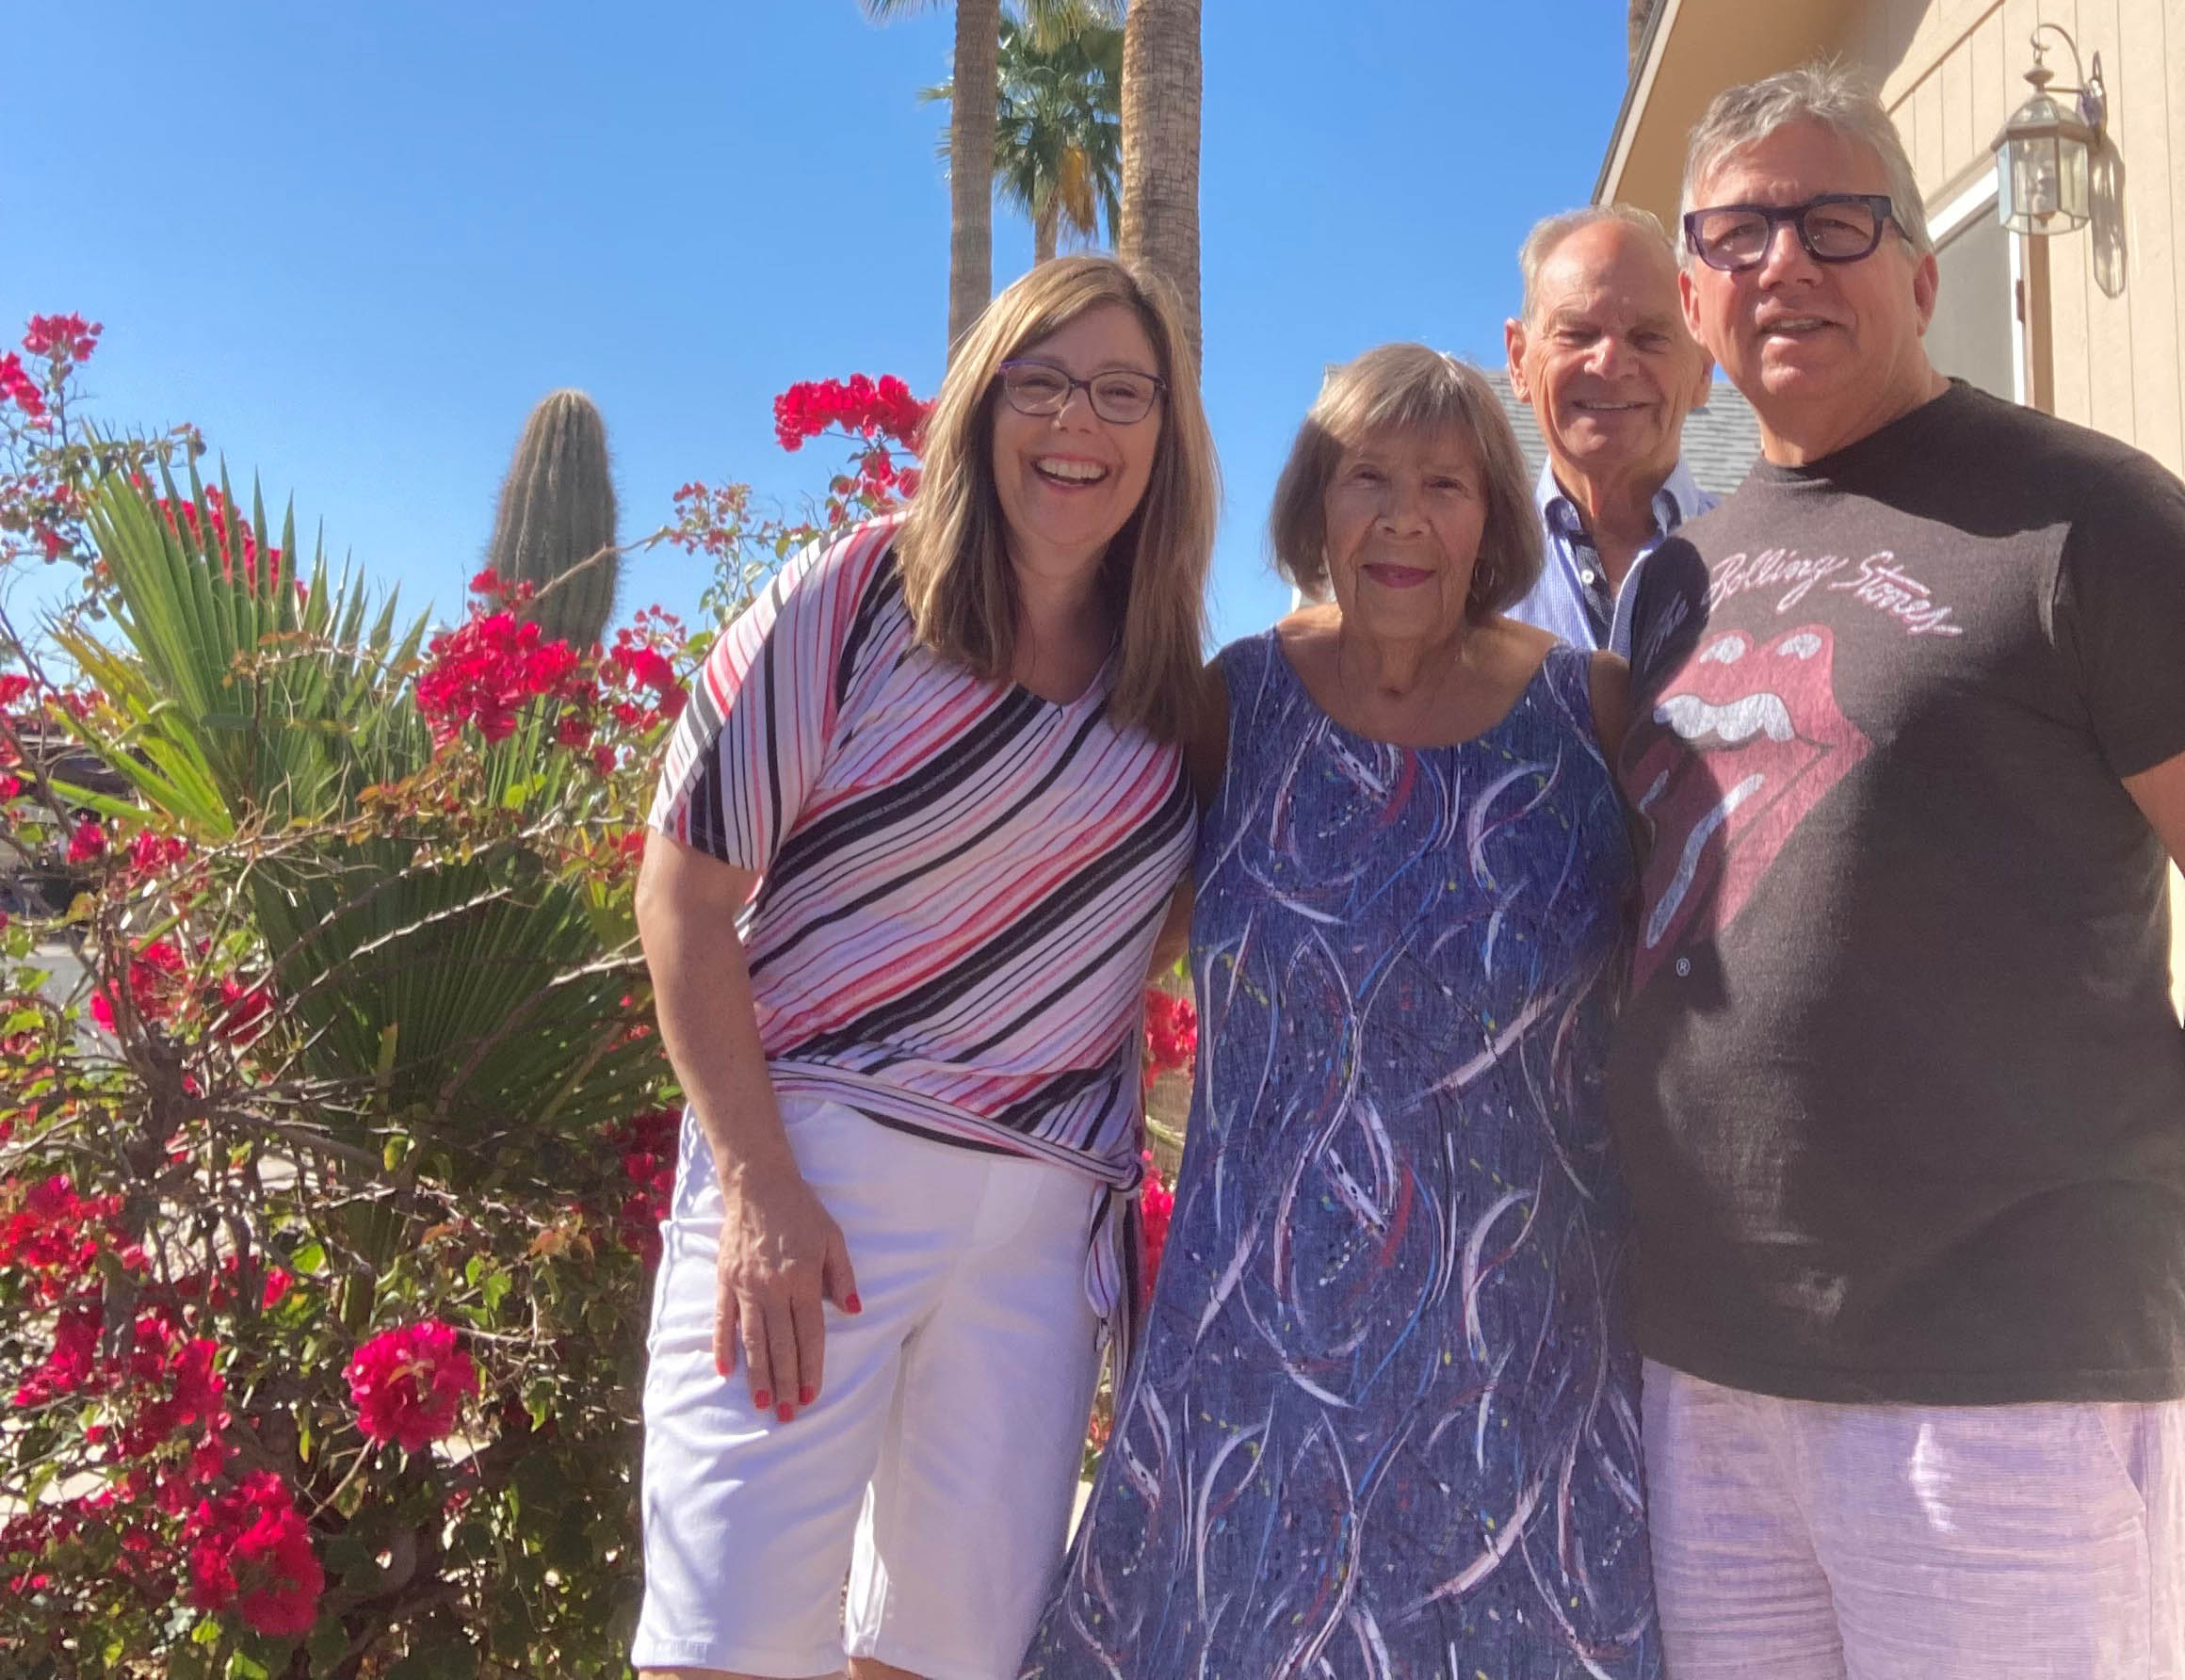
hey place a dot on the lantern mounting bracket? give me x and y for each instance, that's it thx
(2092, 98)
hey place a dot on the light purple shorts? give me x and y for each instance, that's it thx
(1802, 1541)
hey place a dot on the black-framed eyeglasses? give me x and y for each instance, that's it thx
(1121, 395)
(1837, 227)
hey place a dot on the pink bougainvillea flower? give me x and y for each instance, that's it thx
(66, 335)
(150, 853)
(240, 1009)
(250, 1550)
(409, 1383)
(1156, 1201)
(87, 843)
(1172, 1033)
(483, 671)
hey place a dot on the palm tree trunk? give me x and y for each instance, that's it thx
(971, 166)
(1162, 76)
(1047, 227)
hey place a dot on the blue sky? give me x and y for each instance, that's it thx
(356, 243)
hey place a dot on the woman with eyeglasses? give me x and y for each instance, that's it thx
(915, 840)
(1383, 1422)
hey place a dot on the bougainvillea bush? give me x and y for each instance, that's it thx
(333, 1133)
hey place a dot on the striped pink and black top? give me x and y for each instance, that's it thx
(961, 882)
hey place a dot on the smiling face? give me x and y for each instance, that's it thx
(1068, 482)
(1605, 359)
(1826, 352)
(1405, 512)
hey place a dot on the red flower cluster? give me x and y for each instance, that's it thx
(882, 408)
(1172, 1033)
(250, 1550)
(640, 684)
(67, 337)
(409, 1384)
(645, 1144)
(87, 841)
(16, 383)
(486, 669)
(153, 854)
(225, 532)
(1156, 1201)
(159, 989)
(54, 1233)
(157, 982)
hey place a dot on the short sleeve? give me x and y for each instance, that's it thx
(2120, 613)
(1667, 610)
(754, 737)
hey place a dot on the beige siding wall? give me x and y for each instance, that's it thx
(1951, 72)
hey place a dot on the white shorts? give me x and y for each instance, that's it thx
(936, 1469)
(1810, 1542)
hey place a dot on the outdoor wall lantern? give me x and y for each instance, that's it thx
(2041, 154)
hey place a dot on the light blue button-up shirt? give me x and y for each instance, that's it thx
(1572, 598)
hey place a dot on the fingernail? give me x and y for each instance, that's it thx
(806, 1395)
(784, 1412)
(764, 1398)
(852, 1305)
(720, 1366)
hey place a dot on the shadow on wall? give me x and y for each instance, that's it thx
(2105, 196)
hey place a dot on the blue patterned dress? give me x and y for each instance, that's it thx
(1384, 1417)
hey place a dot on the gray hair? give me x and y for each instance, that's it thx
(1825, 94)
(1409, 388)
(1552, 230)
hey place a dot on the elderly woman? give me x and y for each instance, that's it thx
(912, 845)
(1384, 1418)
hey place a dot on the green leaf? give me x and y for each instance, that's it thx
(309, 1259)
(326, 1644)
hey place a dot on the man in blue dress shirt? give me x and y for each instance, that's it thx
(1602, 355)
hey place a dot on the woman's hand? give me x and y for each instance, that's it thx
(782, 1258)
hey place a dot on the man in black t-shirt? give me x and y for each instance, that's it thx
(1900, 1088)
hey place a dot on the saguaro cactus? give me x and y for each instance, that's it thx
(554, 528)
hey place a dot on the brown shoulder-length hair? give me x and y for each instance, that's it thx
(958, 582)
(1408, 387)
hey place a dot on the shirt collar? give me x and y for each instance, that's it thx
(1678, 500)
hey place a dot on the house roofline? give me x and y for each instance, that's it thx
(1636, 88)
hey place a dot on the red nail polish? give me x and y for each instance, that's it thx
(720, 1368)
(806, 1395)
(764, 1398)
(784, 1412)
(852, 1305)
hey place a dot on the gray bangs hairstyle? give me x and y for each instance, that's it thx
(958, 581)
(1409, 388)
(1828, 94)
(1552, 230)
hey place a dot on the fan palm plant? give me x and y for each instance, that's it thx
(1058, 138)
(442, 973)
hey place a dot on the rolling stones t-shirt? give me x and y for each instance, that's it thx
(1900, 1087)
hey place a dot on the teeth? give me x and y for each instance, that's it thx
(1076, 472)
(1692, 719)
